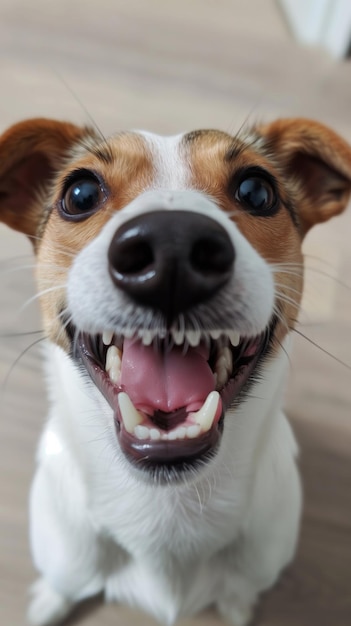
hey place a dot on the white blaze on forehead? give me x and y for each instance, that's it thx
(170, 168)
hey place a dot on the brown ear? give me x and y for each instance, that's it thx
(317, 160)
(30, 153)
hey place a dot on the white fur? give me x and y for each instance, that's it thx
(223, 535)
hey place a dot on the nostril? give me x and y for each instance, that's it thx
(170, 261)
(211, 255)
(133, 258)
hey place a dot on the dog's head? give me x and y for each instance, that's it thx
(170, 268)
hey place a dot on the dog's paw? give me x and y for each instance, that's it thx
(235, 612)
(47, 607)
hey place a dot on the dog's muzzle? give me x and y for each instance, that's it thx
(169, 385)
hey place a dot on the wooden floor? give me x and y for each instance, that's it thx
(171, 66)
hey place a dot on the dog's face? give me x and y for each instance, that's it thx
(171, 268)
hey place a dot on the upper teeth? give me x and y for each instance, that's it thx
(138, 424)
(107, 336)
(113, 363)
(234, 337)
(192, 337)
(224, 366)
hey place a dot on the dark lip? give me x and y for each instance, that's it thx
(178, 456)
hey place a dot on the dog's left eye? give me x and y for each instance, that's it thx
(82, 197)
(257, 193)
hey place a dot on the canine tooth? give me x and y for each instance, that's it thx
(155, 434)
(113, 363)
(193, 337)
(130, 415)
(107, 336)
(205, 416)
(234, 337)
(114, 374)
(142, 432)
(193, 431)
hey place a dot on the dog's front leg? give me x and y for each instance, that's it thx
(65, 548)
(269, 536)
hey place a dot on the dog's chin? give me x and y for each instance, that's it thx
(174, 426)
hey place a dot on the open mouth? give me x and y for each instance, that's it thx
(169, 393)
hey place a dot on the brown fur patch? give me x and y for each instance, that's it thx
(214, 160)
(126, 175)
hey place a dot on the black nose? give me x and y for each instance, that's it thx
(171, 260)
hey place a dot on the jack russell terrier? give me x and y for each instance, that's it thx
(170, 274)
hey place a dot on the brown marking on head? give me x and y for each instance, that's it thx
(311, 169)
(30, 154)
(126, 173)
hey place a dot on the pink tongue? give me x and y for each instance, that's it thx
(165, 381)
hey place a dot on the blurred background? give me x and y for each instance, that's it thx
(168, 67)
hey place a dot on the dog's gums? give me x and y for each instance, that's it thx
(169, 395)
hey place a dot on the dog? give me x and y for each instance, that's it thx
(170, 275)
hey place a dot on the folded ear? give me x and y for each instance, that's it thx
(317, 161)
(30, 153)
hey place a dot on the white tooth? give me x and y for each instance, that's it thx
(129, 332)
(178, 337)
(205, 416)
(142, 432)
(193, 337)
(225, 360)
(172, 435)
(107, 336)
(181, 432)
(114, 374)
(147, 337)
(155, 434)
(222, 377)
(215, 334)
(113, 363)
(193, 431)
(130, 416)
(234, 337)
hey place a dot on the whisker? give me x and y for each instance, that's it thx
(92, 149)
(41, 293)
(57, 247)
(16, 361)
(316, 345)
(23, 334)
(285, 298)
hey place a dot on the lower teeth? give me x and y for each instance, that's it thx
(201, 421)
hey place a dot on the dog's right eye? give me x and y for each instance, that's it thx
(82, 197)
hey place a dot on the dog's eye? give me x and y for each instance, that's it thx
(82, 197)
(257, 194)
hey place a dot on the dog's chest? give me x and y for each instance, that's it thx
(170, 548)
(164, 586)
(188, 524)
